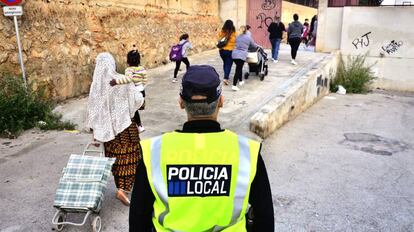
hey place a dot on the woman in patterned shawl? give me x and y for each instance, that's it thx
(110, 110)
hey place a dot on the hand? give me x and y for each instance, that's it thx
(112, 82)
(143, 106)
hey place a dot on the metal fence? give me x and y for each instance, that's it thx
(373, 3)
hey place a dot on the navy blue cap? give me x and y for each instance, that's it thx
(201, 80)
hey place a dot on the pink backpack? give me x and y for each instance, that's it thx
(176, 52)
(305, 32)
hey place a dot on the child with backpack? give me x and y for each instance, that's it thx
(136, 74)
(179, 53)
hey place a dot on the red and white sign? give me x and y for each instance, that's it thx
(11, 2)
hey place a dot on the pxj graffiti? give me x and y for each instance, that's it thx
(362, 41)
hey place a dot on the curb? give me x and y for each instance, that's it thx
(295, 96)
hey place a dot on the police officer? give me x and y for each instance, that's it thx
(201, 178)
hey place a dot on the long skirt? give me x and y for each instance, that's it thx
(128, 153)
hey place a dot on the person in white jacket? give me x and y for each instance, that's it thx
(110, 117)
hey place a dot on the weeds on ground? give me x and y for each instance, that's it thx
(21, 110)
(355, 76)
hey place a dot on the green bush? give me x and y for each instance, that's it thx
(355, 76)
(21, 110)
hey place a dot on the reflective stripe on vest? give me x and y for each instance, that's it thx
(241, 189)
(156, 175)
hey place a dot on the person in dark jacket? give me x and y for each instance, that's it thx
(276, 30)
(313, 30)
(295, 31)
(156, 203)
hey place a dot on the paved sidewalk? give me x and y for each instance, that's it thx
(163, 114)
(30, 166)
(238, 106)
(346, 164)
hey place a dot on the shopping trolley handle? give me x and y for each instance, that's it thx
(94, 147)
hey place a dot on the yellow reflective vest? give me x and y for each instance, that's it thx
(201, 181)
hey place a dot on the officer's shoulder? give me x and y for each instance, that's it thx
(157, 136)
(243, 136)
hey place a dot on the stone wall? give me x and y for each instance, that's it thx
(62, 38)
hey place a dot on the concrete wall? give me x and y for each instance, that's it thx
(234, 10)
(295, 96)
(383, 33)
(329, 30)
(304, 12)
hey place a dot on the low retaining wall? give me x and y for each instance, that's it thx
(295, 96)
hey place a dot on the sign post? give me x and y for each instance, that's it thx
(13, 10)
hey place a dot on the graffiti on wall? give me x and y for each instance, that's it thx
(392, 47)
(265, 20)
(321, 83)
(260, 14)
(269, 4)
(362, 41)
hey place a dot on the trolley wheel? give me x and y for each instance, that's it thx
(266, 70)
(61, 218)
(261, 75)
(257, 73)
(246, 75)
(96, 224)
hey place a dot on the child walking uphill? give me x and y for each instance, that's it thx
(185, 45)
(136, 74)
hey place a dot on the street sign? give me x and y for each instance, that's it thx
(11, 2)
(13, 10)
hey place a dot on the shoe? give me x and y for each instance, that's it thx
(272, 59)
(226, 82)
(235, 88)
(241, 83)
(275, 61)
(121, 196)
(141, 129)
(174, 80)
(293, 62)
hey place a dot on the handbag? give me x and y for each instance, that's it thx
(252, 58)
(222, 42)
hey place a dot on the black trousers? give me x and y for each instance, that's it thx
(294, 45)
(238, 75)
(137, 118)
(178, 64)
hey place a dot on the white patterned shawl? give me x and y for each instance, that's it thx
(110, 108)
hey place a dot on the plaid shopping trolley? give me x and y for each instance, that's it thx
(82, 186)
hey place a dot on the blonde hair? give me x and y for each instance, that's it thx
(243, 29)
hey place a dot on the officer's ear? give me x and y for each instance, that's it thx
(181, 103)
(221, 101)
